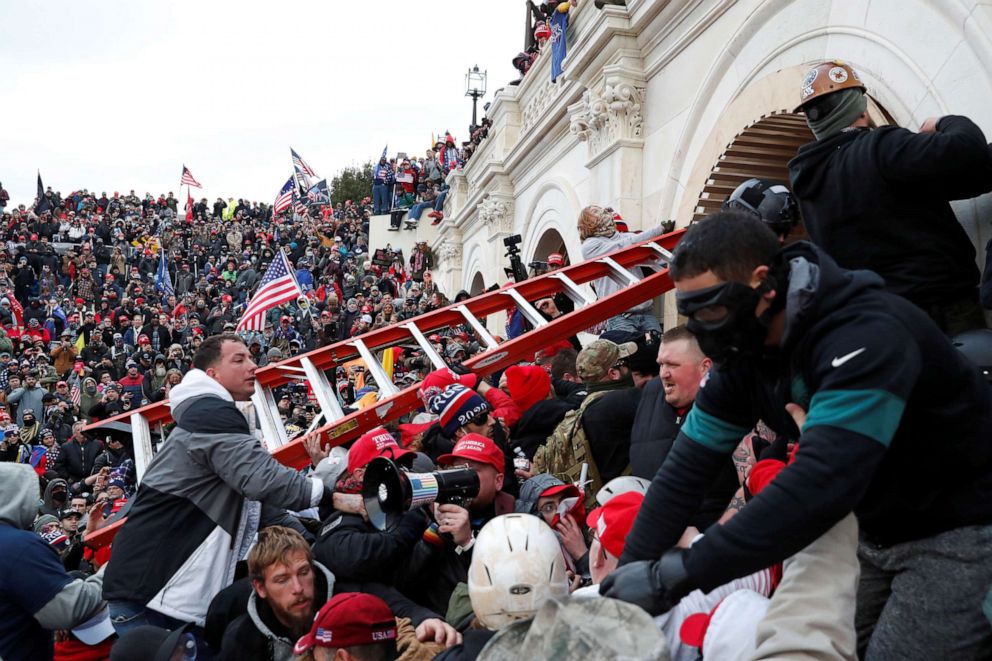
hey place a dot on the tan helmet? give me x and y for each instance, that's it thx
(826, 78)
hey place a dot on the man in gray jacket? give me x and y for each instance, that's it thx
(202, 498)
(27, 397)
(38, 595)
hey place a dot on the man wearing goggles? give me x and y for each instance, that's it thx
(879, 384)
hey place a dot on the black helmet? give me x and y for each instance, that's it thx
(976, 345)
(771, 202)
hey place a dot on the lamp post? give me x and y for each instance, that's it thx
(475, 87)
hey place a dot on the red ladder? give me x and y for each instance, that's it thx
(393, 403)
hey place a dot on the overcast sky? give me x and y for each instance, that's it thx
(118, 94)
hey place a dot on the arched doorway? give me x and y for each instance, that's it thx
(763, 150)
(551, 241)
(478, 285)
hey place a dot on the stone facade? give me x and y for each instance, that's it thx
(653, 93)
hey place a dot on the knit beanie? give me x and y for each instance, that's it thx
(851, 104)
(528, 384)
(456, 406)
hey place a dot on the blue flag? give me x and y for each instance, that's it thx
(559, 24)
(163, 281)
(319, 193)
(384, 149)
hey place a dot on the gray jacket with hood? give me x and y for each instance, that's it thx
(197, 507)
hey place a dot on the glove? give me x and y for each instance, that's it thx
(655, 586)
(461, 370)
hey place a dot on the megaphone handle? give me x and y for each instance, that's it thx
(582, 476)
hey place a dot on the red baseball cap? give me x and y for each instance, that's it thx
(349, 618)
(475, 447)
(556, 258)
(372, 444)
(614, 520)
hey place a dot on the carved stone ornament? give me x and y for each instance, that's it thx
(496, 213)
(536, 109)
(603, 119)
(450, 253)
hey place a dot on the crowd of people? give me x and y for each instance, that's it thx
(747, 485)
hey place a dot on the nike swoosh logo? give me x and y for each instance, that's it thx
(837, 362)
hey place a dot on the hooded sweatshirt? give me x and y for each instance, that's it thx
(879, 382)
(38, 595)
(880, 199)
(49, 506)
(199, 498)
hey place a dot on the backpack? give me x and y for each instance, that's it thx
(567, 449)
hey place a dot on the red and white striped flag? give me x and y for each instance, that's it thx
(75, 396)
(188, 178)
(278, 285)
(301, 165)
(285, 199)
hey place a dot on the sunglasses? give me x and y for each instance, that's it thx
(481, 419)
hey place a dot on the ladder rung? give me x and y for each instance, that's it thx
(665, 254)
(573, 291)
(386, 386)
(325, 393)
(426, 346)
(273, 431)
(291, 368)
(528, 310)
(141, 434)
(477, 326)
(620, 271)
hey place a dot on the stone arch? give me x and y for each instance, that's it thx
(549, 242)
(473, 265)
(555, 207)
(478, 284)
(756, 74)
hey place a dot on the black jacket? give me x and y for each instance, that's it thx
(880, 383)
(656, 426)
(258, 634)
(608, 422)
(538, 423)
(76, 461)
(434, 567)
(879, 199)
(355, 551)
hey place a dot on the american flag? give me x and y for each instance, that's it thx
(75, 396)
(299, 206)
(278, 285)
(188, 178)
(301, 165)
(285, 198)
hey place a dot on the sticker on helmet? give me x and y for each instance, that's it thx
(810, 77)
(838, 75)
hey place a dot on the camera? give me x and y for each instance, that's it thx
(516, 269)
(389, 491)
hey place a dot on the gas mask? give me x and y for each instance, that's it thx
(723, 319)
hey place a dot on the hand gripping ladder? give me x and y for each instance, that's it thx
(313, 368)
